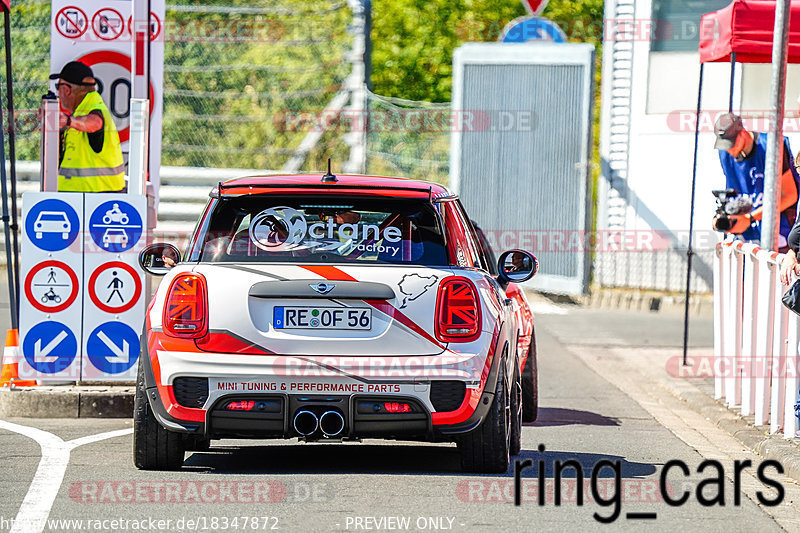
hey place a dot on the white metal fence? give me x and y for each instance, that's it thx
(755, 337)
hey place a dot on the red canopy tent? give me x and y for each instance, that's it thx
(742, 32)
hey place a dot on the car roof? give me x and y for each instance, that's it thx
(347, 184)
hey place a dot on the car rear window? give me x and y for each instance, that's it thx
(322, 229)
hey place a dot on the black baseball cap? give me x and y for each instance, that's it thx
(727, 128)
(74, 72)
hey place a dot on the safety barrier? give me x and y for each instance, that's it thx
(183, 194)
(755, 337)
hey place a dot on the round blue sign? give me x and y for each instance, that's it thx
(527, 29)
(113, 347)
(115, 226)
(49, 347)
(52, 225)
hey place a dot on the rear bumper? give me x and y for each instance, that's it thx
(295, 383)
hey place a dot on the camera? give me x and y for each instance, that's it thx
(730, 202)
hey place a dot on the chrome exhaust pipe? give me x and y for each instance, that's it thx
(331, 423)
(305, 423)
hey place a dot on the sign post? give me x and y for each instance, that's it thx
(49, 151)
(114, 305)
(103, 35)
(83, 300)
(50, 310)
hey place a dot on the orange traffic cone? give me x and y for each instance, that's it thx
(10, 373)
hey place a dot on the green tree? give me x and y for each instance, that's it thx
(413, 40)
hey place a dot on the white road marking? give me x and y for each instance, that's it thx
(545, 308)
(35, 508)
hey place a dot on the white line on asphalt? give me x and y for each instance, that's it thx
(544, 308)
(35, 508)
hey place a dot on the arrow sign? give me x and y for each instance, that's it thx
(120, 355)
(43, 355)
(113, 356)
(58, 353)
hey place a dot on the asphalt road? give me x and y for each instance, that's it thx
(386, 486)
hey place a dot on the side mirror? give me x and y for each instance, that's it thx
(157, 259)
(516, 266)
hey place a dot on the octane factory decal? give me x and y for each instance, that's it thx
(284, 229)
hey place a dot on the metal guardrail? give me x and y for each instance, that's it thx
(183, 194)
(756, 358)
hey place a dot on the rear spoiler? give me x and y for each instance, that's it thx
(218, 192)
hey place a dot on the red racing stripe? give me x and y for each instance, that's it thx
(334, 274)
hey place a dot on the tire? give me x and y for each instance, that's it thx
(515, 445)
(486, 448)
(154, 448)
(530, 384)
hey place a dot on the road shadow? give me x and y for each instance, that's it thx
(587, 461)
(294, 459)
(555, 416)
(330, 458)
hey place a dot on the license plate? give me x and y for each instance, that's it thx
(322, 318)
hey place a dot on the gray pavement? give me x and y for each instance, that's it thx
(602, 398)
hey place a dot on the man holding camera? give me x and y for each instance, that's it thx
(742, 155)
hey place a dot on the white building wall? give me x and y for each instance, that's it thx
(652, 192)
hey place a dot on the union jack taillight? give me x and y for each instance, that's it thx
(458, 312)
(186, 307)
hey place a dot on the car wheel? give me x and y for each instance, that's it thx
(154, 448)
(516, 414)
(486, 448)
(530, 384)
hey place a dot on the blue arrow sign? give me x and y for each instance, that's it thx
(49, 347)
(527, 29)
(113, 347)
(52, 225)
(115, 226)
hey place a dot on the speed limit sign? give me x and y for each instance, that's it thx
(106, 48)
(112, 70)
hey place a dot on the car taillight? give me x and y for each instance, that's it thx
(186, 307)
(458, 313)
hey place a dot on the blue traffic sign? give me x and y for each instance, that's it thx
(52, 225)
(49, 347)
(527, 29)
(113, 347)
(115, 226)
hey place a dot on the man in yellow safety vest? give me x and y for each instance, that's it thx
(91, 157)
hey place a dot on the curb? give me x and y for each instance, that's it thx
(652, 301)
(67, 402)
(775, 447)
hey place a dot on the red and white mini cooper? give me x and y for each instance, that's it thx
(335, 308)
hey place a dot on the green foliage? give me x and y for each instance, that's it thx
(413, 42)
(413, 45)
(238, 75)
(235, 99)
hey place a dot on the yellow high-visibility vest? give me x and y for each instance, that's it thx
(84, 170)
